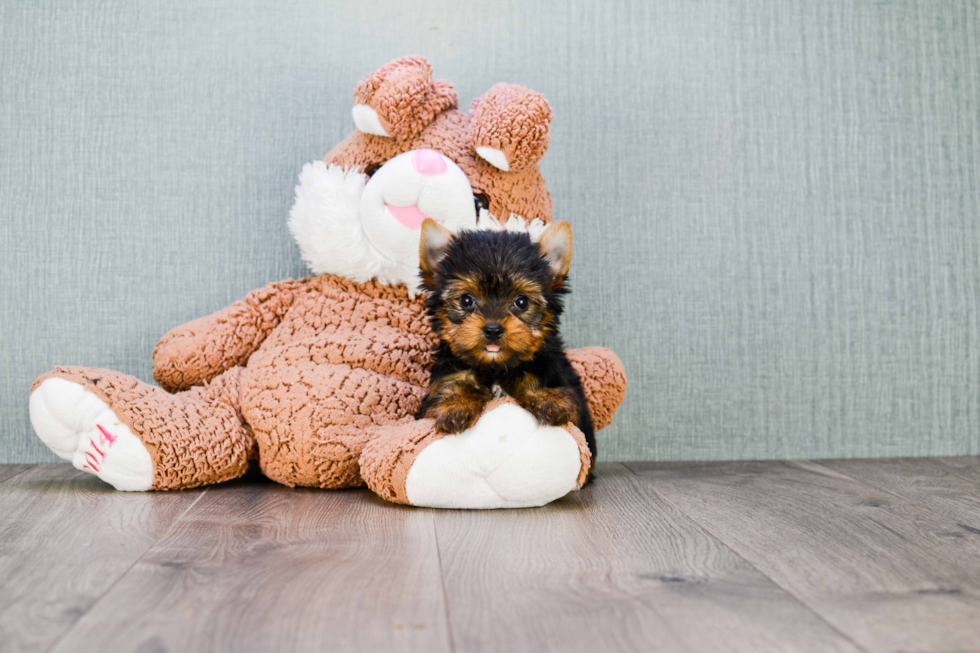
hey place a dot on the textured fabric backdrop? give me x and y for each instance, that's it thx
(776, 204)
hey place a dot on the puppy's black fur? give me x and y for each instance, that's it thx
(498, 289)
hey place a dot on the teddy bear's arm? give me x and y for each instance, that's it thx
(198, 351)
(603, 379)
(410, 462)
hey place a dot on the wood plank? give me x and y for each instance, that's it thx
(65, 538)
(949, 491)
(892, 574)
(262, 567)
(967, 466)
(9, 471)
(613, 567)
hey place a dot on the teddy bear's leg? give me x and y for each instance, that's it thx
(506, 460)
(136, 436)
(81, 428)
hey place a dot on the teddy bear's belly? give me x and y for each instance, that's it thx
(381, 348)
(311, 417)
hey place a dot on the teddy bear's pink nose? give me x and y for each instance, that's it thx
(429, 162)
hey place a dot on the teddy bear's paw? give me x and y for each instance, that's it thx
(78, 426)
(506, 460)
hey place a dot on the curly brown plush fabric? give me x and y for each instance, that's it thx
(405, 96)
(346, 356)
(513, 120)
(604, 379)
(200, 350)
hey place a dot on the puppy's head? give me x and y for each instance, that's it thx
(494, 296)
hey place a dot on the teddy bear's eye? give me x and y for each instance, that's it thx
(521, 303)
(467, 301)
(481, 201)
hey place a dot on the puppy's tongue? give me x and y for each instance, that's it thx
(493, 348)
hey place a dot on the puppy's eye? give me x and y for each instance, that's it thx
(370, 170)
(467, 301)
(521, 303)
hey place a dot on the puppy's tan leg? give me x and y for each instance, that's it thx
(456, 401)
(551, 406)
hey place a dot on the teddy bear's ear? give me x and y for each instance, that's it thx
(400, 99)
(510, 126)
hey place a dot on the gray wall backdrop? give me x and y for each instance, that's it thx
(776, 204)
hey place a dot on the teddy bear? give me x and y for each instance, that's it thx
(317, 380)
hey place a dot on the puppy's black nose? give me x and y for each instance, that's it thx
(493, 330)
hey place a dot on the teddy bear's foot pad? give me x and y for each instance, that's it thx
(506, 460)
(79, 427)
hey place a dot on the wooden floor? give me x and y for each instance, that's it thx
(832, 556)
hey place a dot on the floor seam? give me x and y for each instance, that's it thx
(166, 533)
(895, 493)
(868, 484)
(664, 619)
(735, 552)
(442, 583)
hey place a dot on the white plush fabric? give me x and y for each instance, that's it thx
(366, 120)
(447, 198)
(506, 460)
(343, 225)
(494, 157)
(81, 428)
(534, 228)
(326, 222)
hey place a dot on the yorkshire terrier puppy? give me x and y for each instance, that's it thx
(494, 299)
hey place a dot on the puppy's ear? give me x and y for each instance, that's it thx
(433, 245)
(556, 248)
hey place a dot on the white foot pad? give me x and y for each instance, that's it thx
(506, 460)
(80, 427)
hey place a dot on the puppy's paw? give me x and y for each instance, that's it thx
(551, 413)
(551, 407)
(455, 417)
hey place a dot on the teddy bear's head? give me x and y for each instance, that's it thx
(414, 155)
